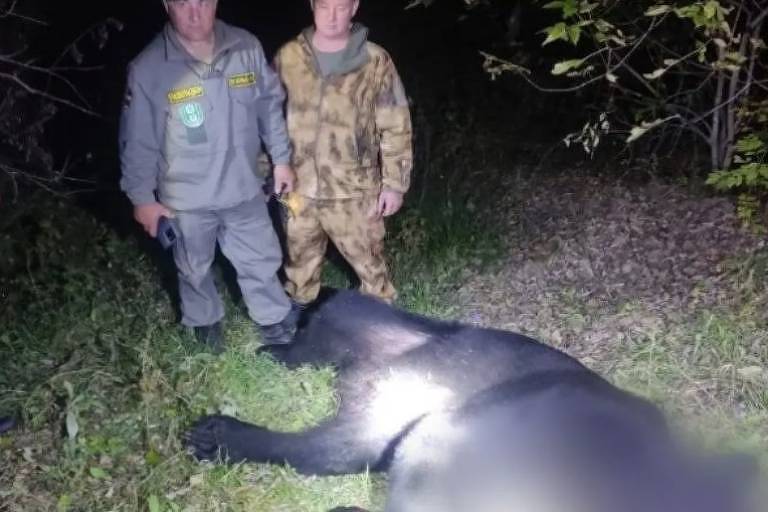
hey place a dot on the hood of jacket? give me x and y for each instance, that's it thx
(355, 54)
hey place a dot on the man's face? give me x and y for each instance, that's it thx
(333, 18)
(192, 19)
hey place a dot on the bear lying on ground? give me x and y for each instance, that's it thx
(469, 419)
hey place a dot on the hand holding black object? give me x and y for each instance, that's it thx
(167, 233)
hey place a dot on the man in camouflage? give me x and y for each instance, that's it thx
(350, 127)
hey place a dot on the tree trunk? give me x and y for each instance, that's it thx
(715, 131)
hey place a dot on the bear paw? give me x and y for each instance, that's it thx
(219, 437)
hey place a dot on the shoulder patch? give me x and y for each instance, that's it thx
(242, 80)
(184, 94)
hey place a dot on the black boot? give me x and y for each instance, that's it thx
(276, 334)
(211, 336)
(291, 321)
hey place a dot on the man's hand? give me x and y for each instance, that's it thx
(284, 179)
(148, 216)
(389, 204)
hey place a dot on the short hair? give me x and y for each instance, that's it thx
(312, 3)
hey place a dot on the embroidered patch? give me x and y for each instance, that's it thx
(242, 80)
(184, 93)
(192, 114)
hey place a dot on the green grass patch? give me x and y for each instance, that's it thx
(106, 383)
(710, 375)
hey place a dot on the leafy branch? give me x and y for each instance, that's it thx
(697, 79)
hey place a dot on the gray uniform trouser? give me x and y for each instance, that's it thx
(248, 240)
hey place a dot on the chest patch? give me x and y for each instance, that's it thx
(192, 114)
(242, 80)
(184, 93)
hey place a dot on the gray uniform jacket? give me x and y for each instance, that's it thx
(192, 131)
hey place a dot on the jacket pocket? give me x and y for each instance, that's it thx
(244, 106)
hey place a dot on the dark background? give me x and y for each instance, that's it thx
(469, 131)
(436, 51)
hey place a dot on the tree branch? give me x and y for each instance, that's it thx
(50, 72)
(724, 103)
(49, 96)
(755, 23)
(636, 45)
(11, 13)
(731, 110)
(80, 36)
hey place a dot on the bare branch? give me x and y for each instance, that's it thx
(13, 55)
(52, 73)
(689, 92)
(678, 56)
(755, 23)
(11, 13)
(686, 120)
(642, 80)
(761, 84)
(77, 68)
(724, 103)
(731, 112)
(83, 34)
(49, 96)
(694, 129)
(49, 184)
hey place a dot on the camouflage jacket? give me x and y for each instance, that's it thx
(351, 131)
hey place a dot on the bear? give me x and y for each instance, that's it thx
(464, 418)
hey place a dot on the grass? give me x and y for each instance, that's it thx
(105, 382)
(710, 375)
(708, 370)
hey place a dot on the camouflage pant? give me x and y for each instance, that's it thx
(358, 238)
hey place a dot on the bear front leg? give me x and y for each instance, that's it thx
(337, 447)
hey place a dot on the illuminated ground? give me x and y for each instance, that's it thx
(107, 383)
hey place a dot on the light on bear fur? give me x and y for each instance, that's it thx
(403, 397)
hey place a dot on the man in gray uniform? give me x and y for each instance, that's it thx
(200, 99)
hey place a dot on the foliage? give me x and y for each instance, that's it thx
(671, 69)
(749, 177)
(34, 90)
(105, 382)
(682, 66)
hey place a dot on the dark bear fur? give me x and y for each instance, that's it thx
(470, 419)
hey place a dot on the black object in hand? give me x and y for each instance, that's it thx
(167, 233)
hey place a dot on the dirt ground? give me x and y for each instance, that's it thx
(590, 262)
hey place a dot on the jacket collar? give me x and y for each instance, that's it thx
(355, 53)
(224, 39)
